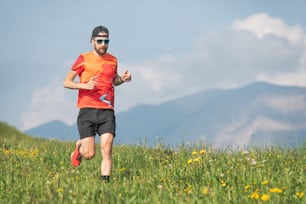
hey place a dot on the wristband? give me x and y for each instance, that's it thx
(120, 80)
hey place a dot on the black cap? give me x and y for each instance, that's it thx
(99, 29)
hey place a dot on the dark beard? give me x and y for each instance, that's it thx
(101, 50)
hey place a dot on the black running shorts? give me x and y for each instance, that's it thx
(92, 121)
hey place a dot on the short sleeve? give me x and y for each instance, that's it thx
(78, 65)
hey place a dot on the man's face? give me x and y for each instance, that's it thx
(100, 43)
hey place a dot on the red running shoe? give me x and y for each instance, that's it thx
(76, 157)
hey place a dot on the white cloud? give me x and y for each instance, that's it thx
(151, 83)
(297, 78)
(50, 102)
(158, 78)
(262, 25)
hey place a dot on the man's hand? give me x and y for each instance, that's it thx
(90, 85)
(126, 76)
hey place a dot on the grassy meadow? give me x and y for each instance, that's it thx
(39, 171)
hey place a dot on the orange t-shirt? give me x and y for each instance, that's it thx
(104, 68)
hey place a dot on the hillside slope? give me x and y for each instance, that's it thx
(10, 137)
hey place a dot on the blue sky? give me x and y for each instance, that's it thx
(172, 48)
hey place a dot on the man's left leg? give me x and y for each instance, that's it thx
(106, 140)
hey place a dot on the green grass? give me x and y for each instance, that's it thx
(39, 171)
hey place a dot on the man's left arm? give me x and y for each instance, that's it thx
(125, 77)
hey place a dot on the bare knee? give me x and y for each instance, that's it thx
(106, 152)
(87, 148)
(88, 154)
(106, 145)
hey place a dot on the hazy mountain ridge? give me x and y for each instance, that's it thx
(55, 129)
(256, 114)
(226, 117)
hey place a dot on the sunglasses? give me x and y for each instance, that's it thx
(102, 41)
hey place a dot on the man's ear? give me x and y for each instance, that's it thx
(92, 41)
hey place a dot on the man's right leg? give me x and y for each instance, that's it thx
(87, 147)
(84, 148)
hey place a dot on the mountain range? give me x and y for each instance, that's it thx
(258, 114)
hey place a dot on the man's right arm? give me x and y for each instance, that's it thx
(71, 84)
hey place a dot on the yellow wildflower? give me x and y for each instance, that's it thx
(202, 151)
(196, 159)
(247, 187)
(265, 182)
(60, 190)
(299, 194)
(194, 152)
(188, 189)
(205, 191)
(255, 195)
(276, 190)
(190, 161)
(265, 197)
